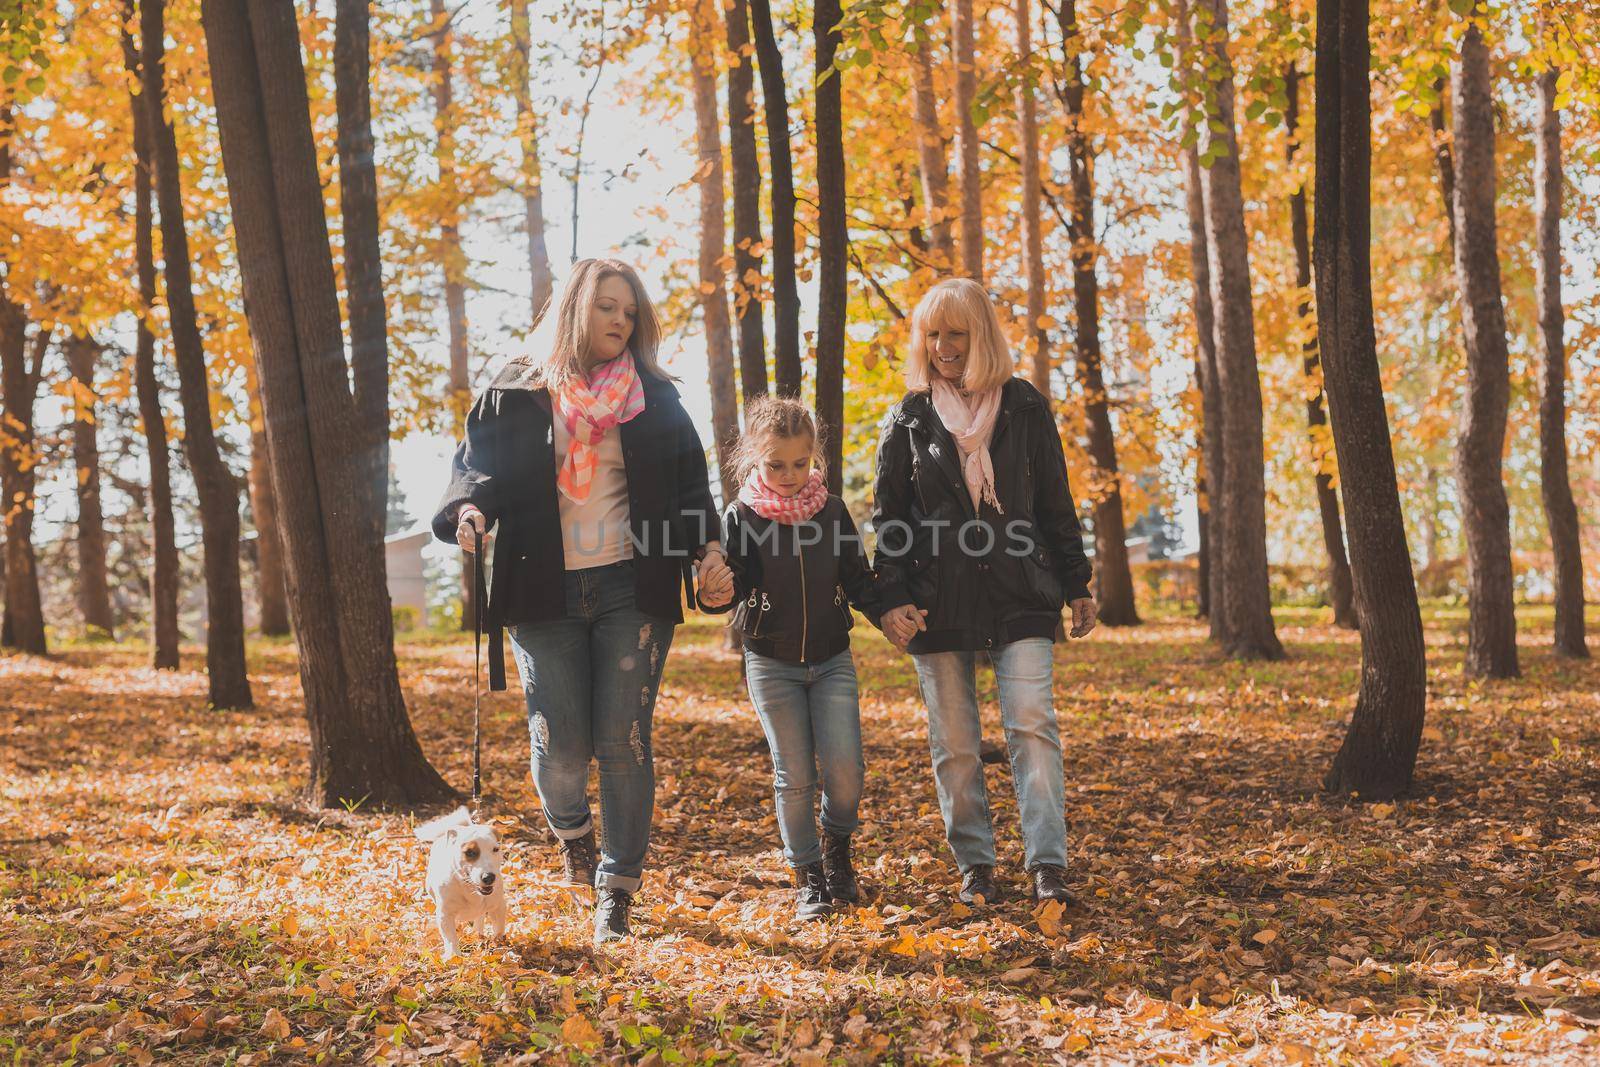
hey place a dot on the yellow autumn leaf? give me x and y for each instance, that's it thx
(578, 1031)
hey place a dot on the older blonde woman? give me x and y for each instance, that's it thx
(976, 527)
(585, 457)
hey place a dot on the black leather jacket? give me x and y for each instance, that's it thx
(985, 579)
(794, 584)
(505, 466)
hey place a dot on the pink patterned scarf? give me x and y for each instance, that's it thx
(612, 394)
(970, 420)
(764, 501)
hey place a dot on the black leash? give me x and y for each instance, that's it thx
(479, 595)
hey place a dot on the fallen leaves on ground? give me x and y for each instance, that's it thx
(165, 896)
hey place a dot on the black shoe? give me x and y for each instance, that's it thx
(611, 915)
(811, 899)
(836, 869)
(577, 860)
(1050, 883)
(979, 882)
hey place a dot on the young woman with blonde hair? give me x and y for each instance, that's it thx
(976, 527)
(585, 458)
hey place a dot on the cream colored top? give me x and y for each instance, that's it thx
(595, 532)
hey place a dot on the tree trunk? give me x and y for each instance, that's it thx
(967, 140)
(1560, 512)
(713, 243)
(1485, 517)
(164, 550)
(1032, 226)
(833, 283)
(362, 747)
(23, 628)
(1213, 455)
(1243, 554)
(1202, 598)
(543, 283)
(452, 258)
(933, 163)
(1340, 590)
(215, 486)
(746, 167)
(1113, 579)
(786, 365)
(1379, 753)
(94, 594)
(1443, 161)
(271, 590)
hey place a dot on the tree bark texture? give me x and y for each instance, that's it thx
(1379, 752)
(216, 488)
(1560, 512)
(163, 549)
(363, 749)
(94, 593)
(1341, 594)
(1113, 578)
(1242, 556)
(933, 161)
(713, 243)
(20, 367)
(530, 171)
(961, 34)
(1485, 516)
(1038, 355)
(745, 165)
(786, 362)
(833, 282)
(271, 591)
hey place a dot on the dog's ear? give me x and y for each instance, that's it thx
(437, 828)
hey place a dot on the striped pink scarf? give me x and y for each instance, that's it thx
(612, 394)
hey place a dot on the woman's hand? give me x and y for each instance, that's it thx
(716, 577)
(901, 624)
(470, 521)
(1084, 613)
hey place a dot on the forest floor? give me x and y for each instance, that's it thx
(164, 895)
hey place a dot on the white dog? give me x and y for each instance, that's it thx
(464, 876)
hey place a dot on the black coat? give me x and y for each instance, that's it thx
(506, 468)
(794, 584)
(1020, 567)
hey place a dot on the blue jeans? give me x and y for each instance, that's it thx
(812, 720)
(590, 680)
(1022, 672)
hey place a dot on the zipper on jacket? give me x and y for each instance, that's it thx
(800, 550)
(761, 616)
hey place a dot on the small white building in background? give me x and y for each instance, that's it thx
(402, 554)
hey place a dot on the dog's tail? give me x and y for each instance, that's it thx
(436, 828)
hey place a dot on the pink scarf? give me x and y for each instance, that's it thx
(612, 394)
(970, 421)
(756, 495)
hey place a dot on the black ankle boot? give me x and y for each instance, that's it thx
(978, 884)
(836, 868)
(811, 900)
(611, 915)
(577, 860)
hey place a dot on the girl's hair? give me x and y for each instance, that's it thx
(768, 419)
(963, 304)
(566, 355)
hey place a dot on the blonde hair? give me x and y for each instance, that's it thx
(768, 419)
(961, 303)
(568, 356)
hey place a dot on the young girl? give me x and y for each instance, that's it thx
(798, 567)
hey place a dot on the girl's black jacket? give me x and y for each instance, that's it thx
(985, 579)
(506, 467)
(794, 584)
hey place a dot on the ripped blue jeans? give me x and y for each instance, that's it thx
(590, 680)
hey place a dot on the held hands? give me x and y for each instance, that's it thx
(716, 579)
(1084, 613)
(470, 519)
(901, 624)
